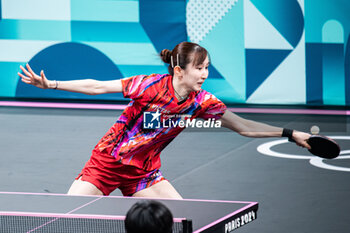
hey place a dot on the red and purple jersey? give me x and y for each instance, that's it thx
(129, 142)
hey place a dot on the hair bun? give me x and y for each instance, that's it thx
(165, 55)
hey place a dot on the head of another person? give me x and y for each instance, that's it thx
(149, 217)
(189, 62)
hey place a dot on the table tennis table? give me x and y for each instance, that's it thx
(42, 212)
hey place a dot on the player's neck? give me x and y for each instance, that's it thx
(179, 89)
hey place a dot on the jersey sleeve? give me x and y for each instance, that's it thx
(212, 107)
(132, 87)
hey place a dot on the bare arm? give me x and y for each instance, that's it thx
(85, 86)
(255, 129)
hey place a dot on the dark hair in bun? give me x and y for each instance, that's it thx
(184, 53)
(165, 55)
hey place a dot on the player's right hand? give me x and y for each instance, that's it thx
(32, 78)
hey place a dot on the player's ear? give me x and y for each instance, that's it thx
(178, 71)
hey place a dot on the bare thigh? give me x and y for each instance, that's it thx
(80, 187)
(162, 189)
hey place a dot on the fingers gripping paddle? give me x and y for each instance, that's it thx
(323, 147)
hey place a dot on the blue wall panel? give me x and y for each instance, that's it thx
(314, 87)
(260, 63)
(347, 72)
(164, 22)
(82, 62)
(114, 39)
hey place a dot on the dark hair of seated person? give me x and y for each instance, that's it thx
(149, 217)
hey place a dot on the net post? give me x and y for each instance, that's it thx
(187, 226)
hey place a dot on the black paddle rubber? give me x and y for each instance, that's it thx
(323, 147)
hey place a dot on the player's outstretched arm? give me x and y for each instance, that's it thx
(255, 129)
(85, 86)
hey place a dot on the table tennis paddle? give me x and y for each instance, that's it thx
(323, 147)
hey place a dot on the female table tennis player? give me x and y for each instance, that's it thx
(127, 157)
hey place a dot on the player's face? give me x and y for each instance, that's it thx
(195, 75)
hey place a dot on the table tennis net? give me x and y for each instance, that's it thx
(68, 224)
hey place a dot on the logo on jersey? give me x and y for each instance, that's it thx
(151, 120)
